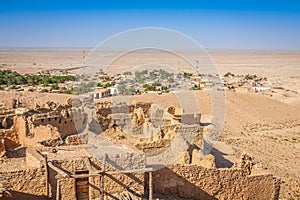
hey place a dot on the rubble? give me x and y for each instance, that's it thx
(66, 157)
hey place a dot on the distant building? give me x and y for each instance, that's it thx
(101, 93)
(260, 88)
(61, 86)
(114, 91)
(196, 81)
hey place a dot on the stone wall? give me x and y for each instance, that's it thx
(2, 148)
(26, 184)
(25, 178)
(184, 181)
(10, 137)
(195, 182)
(63, 121)
(35, 126)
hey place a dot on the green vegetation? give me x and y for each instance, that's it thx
(55, 86)
(106, 85)
(165, 75)
(68, 91)
(140, 76)
(125, 90)
(164, 89)
(196, 88)
(84, 88)
(148, 87)
(8, 77)
(127, 73)
(187, 75)
(250, 77)
(156, 86)
(228, 74)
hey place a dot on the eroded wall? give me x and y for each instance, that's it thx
(196, 182)
(25, 177)
(184, 181)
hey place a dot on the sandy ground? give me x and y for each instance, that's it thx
(266, 127)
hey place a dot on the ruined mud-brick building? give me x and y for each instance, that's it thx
(56, 152)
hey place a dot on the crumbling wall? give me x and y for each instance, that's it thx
(10, 137)
(184, 181)
(196, 182)
(6, 121)
(35, 126)
(30, 181)
(60, 119)
(27, 183)
(2, 147)
(63, 121)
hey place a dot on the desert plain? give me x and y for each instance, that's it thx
(266, 125)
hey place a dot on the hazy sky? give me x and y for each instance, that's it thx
(231, 24)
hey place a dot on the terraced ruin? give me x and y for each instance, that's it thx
(57, 151)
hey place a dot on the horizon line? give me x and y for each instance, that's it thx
(91, 48)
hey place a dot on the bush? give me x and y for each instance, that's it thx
(106, 85)
(250, 77)
(55, 86)
(229, 74)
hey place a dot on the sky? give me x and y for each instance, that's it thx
(215, 24)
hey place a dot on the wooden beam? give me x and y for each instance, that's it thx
(131, 171)
(84, 175)
(90, 169)
(102, 178)
(102, 173)
(59, 171)
(150, 186)
(57, 189)
(88, 164)
(47, 177)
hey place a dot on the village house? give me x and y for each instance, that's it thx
(260, 88)
(113, 91)
(196, 81)
(101, 93)
(62, 86)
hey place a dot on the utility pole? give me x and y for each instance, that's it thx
(83, 57)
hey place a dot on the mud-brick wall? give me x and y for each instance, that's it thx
(26, 184)
(196, 182)
(64, 125)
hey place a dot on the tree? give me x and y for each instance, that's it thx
(187, 74)
(54, 86)
(250, 77)
(228, 74)
(106, 85)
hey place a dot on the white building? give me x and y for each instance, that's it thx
(101, 93)
(114, 91)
